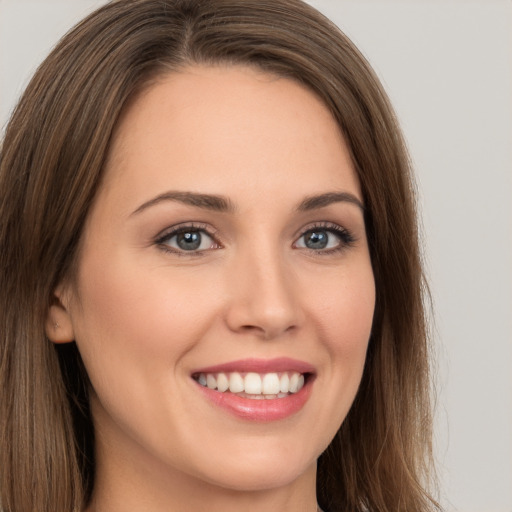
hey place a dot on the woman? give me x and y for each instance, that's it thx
(211, 283)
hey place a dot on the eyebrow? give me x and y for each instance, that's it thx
(205, 201)
(323, 200)
(223, 204)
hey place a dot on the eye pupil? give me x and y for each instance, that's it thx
(189, 241)
(316, 239)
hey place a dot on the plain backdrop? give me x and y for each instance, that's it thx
(447, 66)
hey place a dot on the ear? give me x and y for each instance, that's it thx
(59, 326)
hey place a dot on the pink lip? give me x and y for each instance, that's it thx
(281, 364)
(265, 410)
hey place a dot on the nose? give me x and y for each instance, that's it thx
(263, 297)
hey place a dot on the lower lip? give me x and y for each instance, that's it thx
(264, 410)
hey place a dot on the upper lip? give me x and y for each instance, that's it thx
(280, 364)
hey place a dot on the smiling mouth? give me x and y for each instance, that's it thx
(255, 386)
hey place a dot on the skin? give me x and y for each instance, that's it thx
(146, 314)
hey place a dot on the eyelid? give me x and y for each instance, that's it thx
(184, 227)
(346, 236)
(181, 227)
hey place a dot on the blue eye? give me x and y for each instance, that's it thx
(318, 240)
(326, 239)
(187, 239)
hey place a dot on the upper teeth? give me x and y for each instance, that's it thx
(253, 383)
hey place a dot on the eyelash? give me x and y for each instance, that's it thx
(346, 238)
(193, 227)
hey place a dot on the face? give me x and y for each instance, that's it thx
(225, 294)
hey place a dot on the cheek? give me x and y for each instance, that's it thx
(346, 308)
(134, 330)
(344, 318)
(140, 315)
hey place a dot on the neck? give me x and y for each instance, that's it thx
(194, 498)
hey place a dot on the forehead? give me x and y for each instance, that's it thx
(203, 124)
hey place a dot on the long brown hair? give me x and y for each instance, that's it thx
(51, 165)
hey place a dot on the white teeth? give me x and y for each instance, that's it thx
(254, 385)
(222, 382)
(211, 382)
(284, 383)
(236, 383)
(294, 383)
(270, 384)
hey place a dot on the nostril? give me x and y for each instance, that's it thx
(268, 331)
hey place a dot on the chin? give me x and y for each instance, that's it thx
(260, 469)
(262, 478)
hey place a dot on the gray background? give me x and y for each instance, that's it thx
(447, 67)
